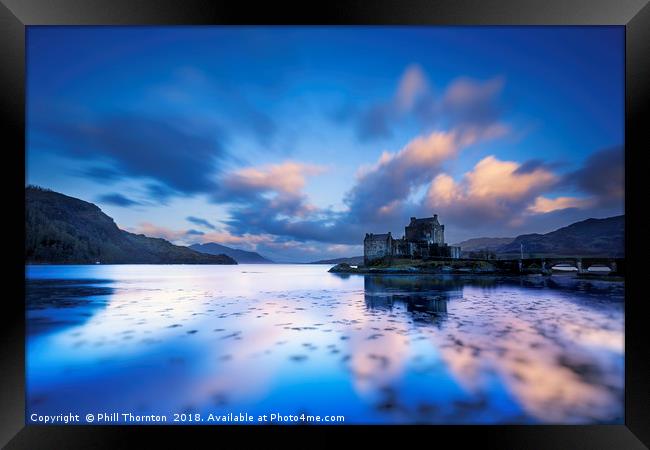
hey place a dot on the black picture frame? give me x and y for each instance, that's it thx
(15, 15)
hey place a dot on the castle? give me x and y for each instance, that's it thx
(423, 238)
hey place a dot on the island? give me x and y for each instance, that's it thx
(590, 248)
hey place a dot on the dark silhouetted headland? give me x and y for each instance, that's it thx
(241, 256)
(65, 230)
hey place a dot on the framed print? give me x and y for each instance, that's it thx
(372, 217)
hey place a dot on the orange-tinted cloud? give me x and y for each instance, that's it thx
(288, 177)
(493, 190)
(491, 180)
(383, 187)
(151, 230)
(544, 204)
(182, 237)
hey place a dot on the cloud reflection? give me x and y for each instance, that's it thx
(391, 349)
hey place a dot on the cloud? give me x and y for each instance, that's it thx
(393, 177)
(493, 179)
(102, 173)
(343, 249)
(189, 236)
(376, 120)
(191, 87)
(276, 247)
(179, 154)
(270, 213)
(271, 201)
(545, 205)
(493, 192)
(603, 176)
(497, 194)
(472, 102)
(201, 222)
(245, 241)
(412, 86)
(374, 123)
(177, 159)
(263, 192)
(118, 200)
(262, 218)
(288, 177)
(533, 164)
(465, 102)
(381, 188)
(267, 205)
(151, 230)
(160, 193)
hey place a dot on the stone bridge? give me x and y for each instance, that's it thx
(616, 265)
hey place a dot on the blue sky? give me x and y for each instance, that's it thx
(295, 141)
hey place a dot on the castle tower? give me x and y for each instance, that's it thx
(427, 230)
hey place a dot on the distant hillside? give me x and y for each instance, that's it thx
(241, 256)
(591, 237)
(65, 230)
(353, 261)
(486, 243)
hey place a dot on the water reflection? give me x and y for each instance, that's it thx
(58, 303)
(291, 339)
(424, 297)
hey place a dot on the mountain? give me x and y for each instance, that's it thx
(353, 261)
(65, 230)
(485, 243)
(241, 256)
(591, 237)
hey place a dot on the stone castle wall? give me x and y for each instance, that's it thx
(377, 247)
(423, 238)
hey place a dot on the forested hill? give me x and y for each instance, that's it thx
(65, 230)
(595, 237)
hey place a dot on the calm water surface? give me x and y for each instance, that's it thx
(292, 339)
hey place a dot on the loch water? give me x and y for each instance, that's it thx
(295, 339)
